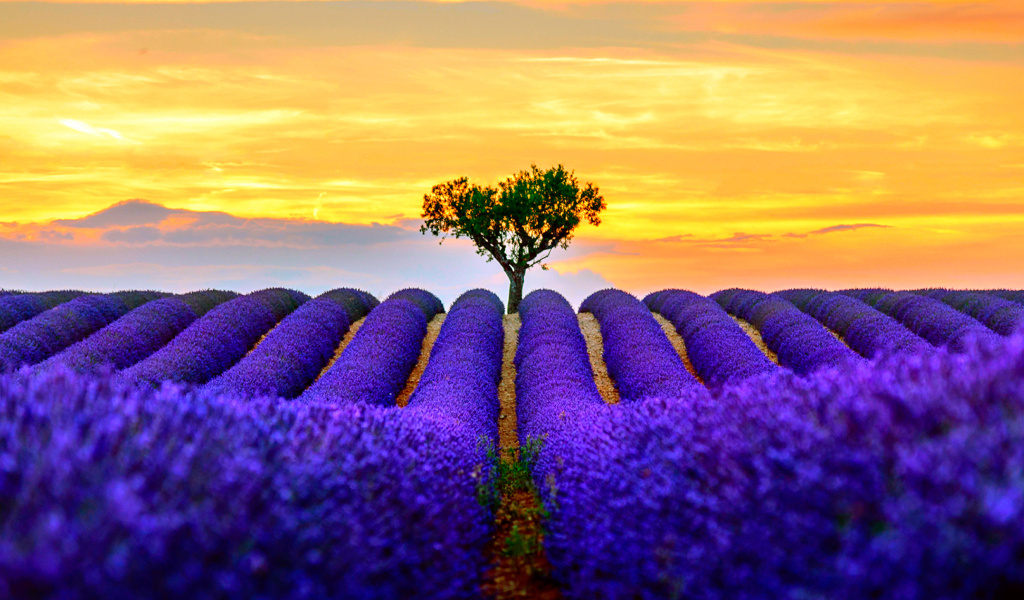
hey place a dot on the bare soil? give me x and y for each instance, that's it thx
(678, 343)
(516, 574)
(755, 335)
(433, 328)
(591, 330)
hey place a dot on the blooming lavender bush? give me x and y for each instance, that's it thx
(461, 379)
(863, 328)
(16, 307)
(114, 491)
(998, 314)
(294, 352)
(216, 341)
(900, 479)
(1011, 295)
(136, 335)
(936, 322)
(553, 374)
(50, 332)
(375, 365)
(801, 342)
(718, 349)
(640, 358)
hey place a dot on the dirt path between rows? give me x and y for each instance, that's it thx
(433, 328)
(591, 330)
(345, 339)
(523, 570)
(755, 336)
(678, 343)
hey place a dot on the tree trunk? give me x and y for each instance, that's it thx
(515, 290)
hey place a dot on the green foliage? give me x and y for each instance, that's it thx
(518, 223)
(508, 476)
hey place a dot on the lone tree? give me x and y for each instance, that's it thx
(518, 224)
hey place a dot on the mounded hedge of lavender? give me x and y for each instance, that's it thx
(15, 307)
(717, 347)
(639, 356)
(115, 491)
(801, 342)
(998, 314)
(293, 353)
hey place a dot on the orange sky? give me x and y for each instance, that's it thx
(723, 135)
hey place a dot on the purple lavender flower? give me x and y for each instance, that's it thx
(998, 314)
(375, 365)
(136, 335)
(16, 307)
(640, 358)
(801, 342)
(461, 379)
(719, 350)
(936, 322)
(865, 329)
(115, 491)
(38, 338)
(219, 339)
(294, 352)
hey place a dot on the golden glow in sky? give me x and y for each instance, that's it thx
(752, 144)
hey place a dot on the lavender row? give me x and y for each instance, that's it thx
(865, 329)
(553, 373)
(936, 322)
(719, 350)
(117, 491)
(801, 342)
(1011, 295)
(16, 307)
(461, 379)
(640, 358)
(294, 352)
(998, 314)
(38, 338)
(375, 365)
(899, 479)
(138, 334)
(213, 343)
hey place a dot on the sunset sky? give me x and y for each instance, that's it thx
(737, 143)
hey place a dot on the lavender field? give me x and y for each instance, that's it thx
(803, 444)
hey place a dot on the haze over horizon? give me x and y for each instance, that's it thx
(738, 143)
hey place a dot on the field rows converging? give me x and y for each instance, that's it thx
(802, 443)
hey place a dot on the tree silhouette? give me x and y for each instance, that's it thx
(519, 223)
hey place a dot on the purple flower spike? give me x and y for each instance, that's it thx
(640, 358)
(865, 329)
(219, 339)
(801, 342)
(294, 352)
(719, 350)
(376, 364)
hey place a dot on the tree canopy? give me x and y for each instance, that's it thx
(518, 223)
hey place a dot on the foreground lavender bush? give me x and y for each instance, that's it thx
(216, 341)
(375, 365)
(114, 491)
(16, 307)
(640, 358)
(936, 322)
(138, 334)
(38, 338)
(294, 352)
(461, 379)
(893, 480)
(553, 374)
(801, 342)
(717, 348)
(998, 314)
(864, 329)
